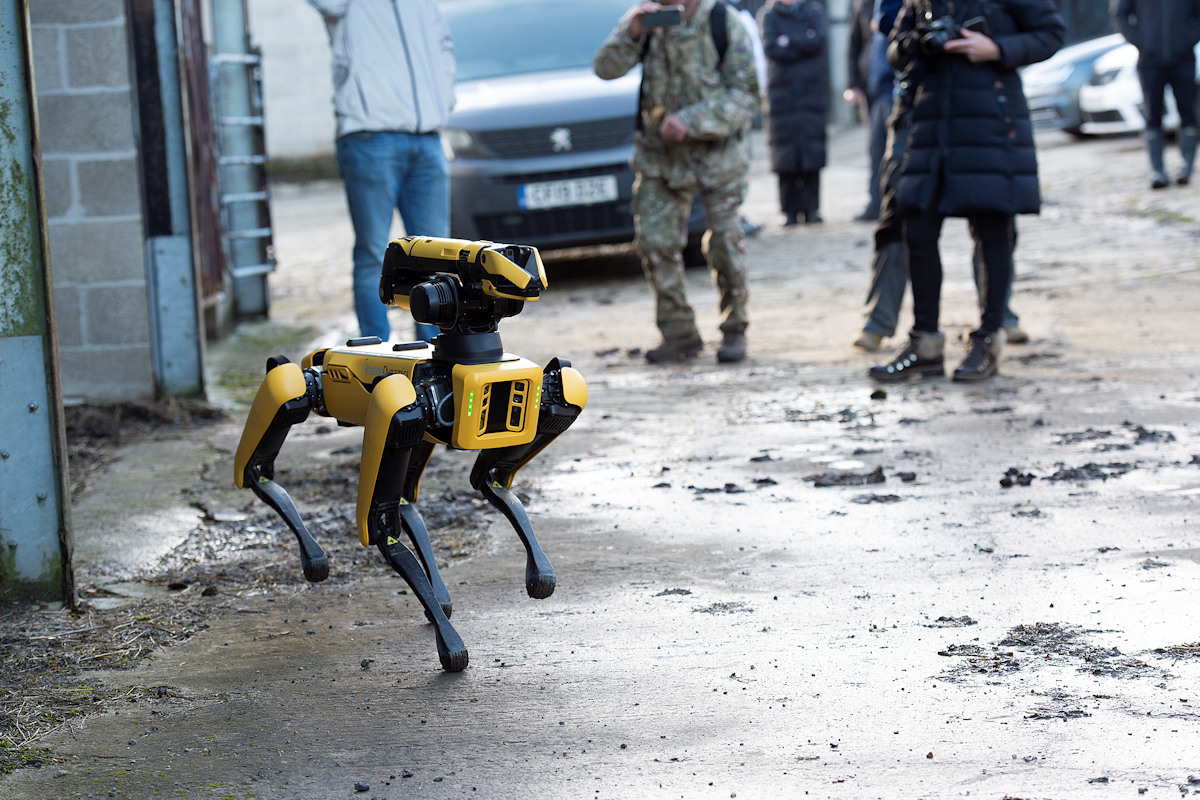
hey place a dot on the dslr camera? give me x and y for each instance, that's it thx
(935, 34)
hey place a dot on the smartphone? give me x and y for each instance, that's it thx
(977, 24)
(665, 17)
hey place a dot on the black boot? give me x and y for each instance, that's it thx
(1187, 149)
(922, 357)
(1154, 149)
(733, 347)
(676, 348)
(983, 355)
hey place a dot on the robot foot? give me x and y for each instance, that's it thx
(539, 575)
(539, 581)
(451, 650)
(312, 557)
(316, 569)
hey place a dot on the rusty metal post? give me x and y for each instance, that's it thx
(35, 536)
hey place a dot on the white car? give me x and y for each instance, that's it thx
(1111, 102)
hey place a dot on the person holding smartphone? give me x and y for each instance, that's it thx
(970, 154)
(699, 94)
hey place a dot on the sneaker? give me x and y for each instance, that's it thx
(676, 349)
(922, 357)
(869, 340)
(733, 347)
(983, 356)
(1014, 335)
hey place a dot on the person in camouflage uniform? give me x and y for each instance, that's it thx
(692, 140)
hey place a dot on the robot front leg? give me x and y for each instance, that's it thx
(283, 400)
(393, 431)
(564, 395)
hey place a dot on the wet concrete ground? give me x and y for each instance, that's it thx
(773, 581)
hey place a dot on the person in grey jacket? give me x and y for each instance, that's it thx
(1165, 33)
(393, 89)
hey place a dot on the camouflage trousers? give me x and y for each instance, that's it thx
(660, 218)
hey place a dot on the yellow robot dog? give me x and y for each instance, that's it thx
(462, 391)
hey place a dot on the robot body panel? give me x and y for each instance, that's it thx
(284, 388)
(496, 404)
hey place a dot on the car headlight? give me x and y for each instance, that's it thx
(1104, 78)
(1047, 76)
(459, 143)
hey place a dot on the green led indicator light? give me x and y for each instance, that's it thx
(470, 402)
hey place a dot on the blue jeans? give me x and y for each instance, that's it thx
(385, 171)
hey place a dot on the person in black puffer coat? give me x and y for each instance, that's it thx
(1165, 33)
(970, 154)
(794, 37)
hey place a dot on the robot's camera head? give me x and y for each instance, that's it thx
(486, 273)
(463, 287)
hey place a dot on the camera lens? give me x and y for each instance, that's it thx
(435, 301)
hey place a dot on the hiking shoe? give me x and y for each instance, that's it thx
(921, 357)
(869, 340)
(983, 356)
(676, 349)
(733, 347)
(1014, 335)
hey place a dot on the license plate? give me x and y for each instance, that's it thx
(576, 192)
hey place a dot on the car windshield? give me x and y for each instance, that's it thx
(493, 39)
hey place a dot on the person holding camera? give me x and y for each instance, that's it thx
(1165, 33)
(970, 154)
(699, 94)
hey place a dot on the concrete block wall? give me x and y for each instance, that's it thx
(86, 105)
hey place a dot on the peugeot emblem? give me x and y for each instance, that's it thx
(560, 140)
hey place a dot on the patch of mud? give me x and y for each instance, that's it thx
(1179, 652)
(847, 478)
(952, 622)
(1140, 435)
(850, 417)
(1031, 646)
(734, 607)
(977, 660)
(1057, 705)
(868, 499)
(1090, 472)
(1015, 477)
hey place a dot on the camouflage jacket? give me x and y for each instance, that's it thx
(680, 76)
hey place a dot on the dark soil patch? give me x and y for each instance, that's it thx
(847, 478)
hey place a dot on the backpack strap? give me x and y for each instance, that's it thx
(720, 30)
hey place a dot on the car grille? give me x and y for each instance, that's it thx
(583, 223)
(602, 134)
(1103, 116)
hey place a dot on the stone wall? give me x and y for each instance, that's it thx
(86, 106)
